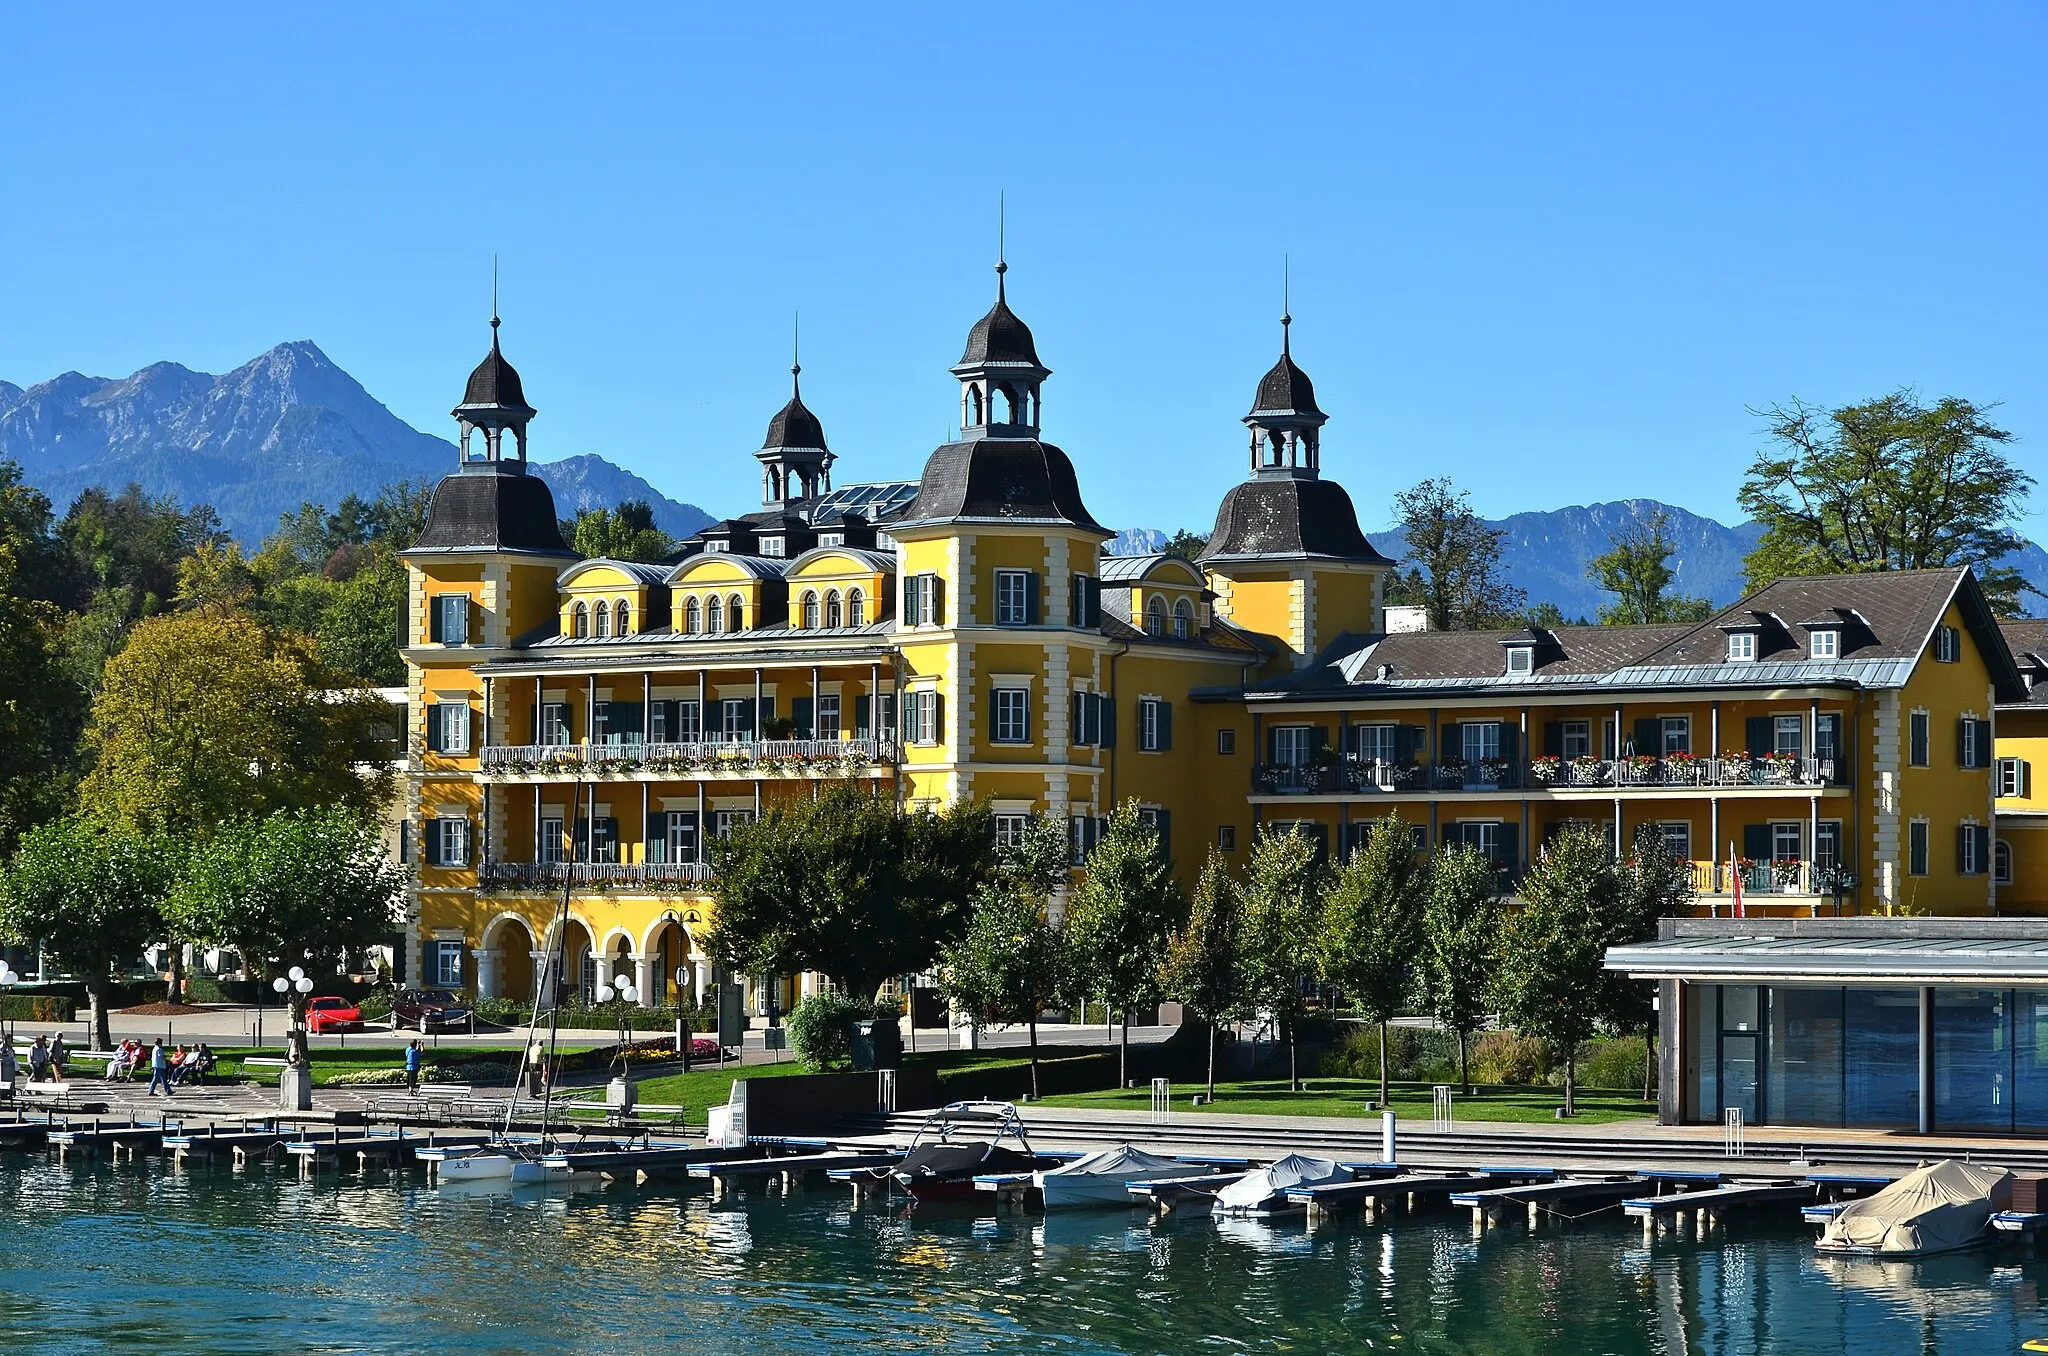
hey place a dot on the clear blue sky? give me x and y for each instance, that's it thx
(1552, 252)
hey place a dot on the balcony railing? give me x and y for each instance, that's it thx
(717, 758)
(1362, 776)
(543, 875)
(1783, 876)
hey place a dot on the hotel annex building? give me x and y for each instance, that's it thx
(1853, 746)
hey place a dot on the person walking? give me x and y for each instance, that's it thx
(60, 1058)
(412, 1067)
(10, 1066)
(39, 1061)
(159, 1069)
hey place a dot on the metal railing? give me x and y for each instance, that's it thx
(1783, 876)
(712, 757)
(1362, 776)
(542, 875)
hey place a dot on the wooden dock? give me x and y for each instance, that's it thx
(637, 1163)
(1375, 1194)
(117, 1139)
(788, 1170)
(243, 1145)
(389, 1148)
(1490, 1206)
(1667, 1214)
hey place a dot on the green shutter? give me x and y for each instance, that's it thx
(937, 701)
(435, 630)
(1756, 735)
(1510, 849)
(1108, 722)
(800, 713)
(1165, 728)
(1031, 598)
(1553, 738)
(1450, 741)
(1163, 822)
(1649, 735)
(1509, 736)
(1756, 842)
(863, 712)
(937, 590)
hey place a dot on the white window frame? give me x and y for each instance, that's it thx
(1948, 645)
(553, 840)
(1012, 710)
(1148, 724)
(1741, 647)
(1793, 727)
(772, 546)
(1183, 619)
(453, 719)
(1674, 735)
(448, 963)
(1825, 643)
(1968, 864)
(2001, 862)
(453, 608)
(451, 841)
(1378, 742)
(1010, 829)
(728, 820)
(1294, 745)
(1479, 741)
(1788, 831)
(680, 837)
(2011, 781)
(1968, 761)
(825, 716)
(1575, 738)
(1013, 598)
(1677, 835)
(1521, 660)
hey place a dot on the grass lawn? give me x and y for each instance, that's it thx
(1347, 1097)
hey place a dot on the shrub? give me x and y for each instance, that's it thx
(1509, 1057)
(1616, 1062)
(1414, 1054)
(821, 1029)
(38, 1007)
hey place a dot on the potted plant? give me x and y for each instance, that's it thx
(1588, 770)
(1546, 769)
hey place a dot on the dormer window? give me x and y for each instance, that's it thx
(831, 539)
(712, 548)
(1741, 646)
(1521, 660)
(771, 546)
(1825, 644)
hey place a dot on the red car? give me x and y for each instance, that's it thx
(332, 1014)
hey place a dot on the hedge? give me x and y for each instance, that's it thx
(38, 1007)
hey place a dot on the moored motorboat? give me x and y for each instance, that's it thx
(1938, 1208)
(940, 1166)
(1262, 1191)
(1103, 1178)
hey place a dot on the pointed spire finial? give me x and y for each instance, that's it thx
(1002, 240)
(796, 348)
(1286, 304)
(494, 301)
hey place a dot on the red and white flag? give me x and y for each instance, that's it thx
(1735, 874)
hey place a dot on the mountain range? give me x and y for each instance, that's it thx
(286, 427)
(290, 425)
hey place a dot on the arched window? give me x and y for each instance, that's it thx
(714, 616)
(2001, 862)
(810, 611)
(581, 625)
(733, 613)
(1155, 616)
(832, 617)
(604, 620)
(1011, 407)
(973, 406)
(693, 617)
(622, 618)
(1183, 619)
(856, 609)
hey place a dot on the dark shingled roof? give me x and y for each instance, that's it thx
(495, 382)
(794, 426)
(996, 478)
(1285, 390)
(1901, 608)
(1289, 516)
(2028, 641)
(999, 337)
(494, 509)
(1425, 655)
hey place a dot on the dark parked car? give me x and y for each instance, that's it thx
(425, 1010)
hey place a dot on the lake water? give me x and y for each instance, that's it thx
(132, 1259)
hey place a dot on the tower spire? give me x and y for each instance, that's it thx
(1286, 305)
(1002, 240)
(796, 349)
(494, 300)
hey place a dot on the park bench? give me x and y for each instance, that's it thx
(432, 1099)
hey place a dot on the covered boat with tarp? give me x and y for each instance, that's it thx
(947, 1153)
(1262, 1191)
(1101, 1178)
(1937, 1208)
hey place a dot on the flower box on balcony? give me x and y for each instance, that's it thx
(1547, 770)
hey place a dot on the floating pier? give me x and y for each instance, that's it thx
(1379, 1191)
(241, 1145)
(788, 1170)
(116, 1139)
(636, 1163)
(391, 1148)
(1667, 1214)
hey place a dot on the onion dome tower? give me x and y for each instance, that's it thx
(1288, 532)
(795, 463)
(491, 503)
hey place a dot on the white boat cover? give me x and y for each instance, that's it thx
(1932, 1209)
(1123, 1162)
(1260, 1185)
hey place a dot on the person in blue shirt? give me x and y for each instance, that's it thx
(412, 1067)
(159, 1070)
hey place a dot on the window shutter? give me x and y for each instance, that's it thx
(800, 713)
(1077, 717)
(434, 615)
(1162, 821)
(936, 702)
(1983, 832)
(1031, 599)
(1648, 735)
(1108, 712)
(434, 728)
(1508, 735)
(2023, 773)
(1165, 732)
(1510, 850)
(993, 694)
(863, 713)
(1756, 735)
(533, 727)
(1984, 744)
(1553, 738)
(1450, 741)
(935, 598)
(1756, 842)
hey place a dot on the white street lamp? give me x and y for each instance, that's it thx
(8, 979)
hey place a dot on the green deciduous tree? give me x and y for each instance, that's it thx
(206, 718)
(1118, 918)
(1013, 960)
(306, 884)
(1201, 969)
(1888, 484)
(849, 885)
(1552, 955)
(1460, 949)
(41, 706)
(1282, 895)
(624, 533)
(1652, 884)
(1637, 571)
(1185, 544)
(1455, 570)
(92, 894)
(1372, 926)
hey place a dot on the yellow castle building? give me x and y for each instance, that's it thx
(1824, 746)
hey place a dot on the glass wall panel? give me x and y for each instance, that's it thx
(1972, 1059)
(1881, 1056)
(1805, 1057)
(1702, 1050)
(2030, 1059)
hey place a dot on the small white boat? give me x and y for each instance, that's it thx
(1937, 1208)
(1260, 1191)
(1099, 1179)
(496, 1161)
